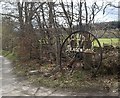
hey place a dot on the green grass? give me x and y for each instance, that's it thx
(108, 41)
(9, 55)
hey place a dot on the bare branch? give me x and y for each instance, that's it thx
(9, 15)
(109, 4)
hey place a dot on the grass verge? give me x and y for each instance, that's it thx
(10, 55)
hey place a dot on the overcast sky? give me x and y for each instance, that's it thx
(111, 13)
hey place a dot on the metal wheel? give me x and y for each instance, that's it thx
(82, 51)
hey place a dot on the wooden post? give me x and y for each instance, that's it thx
(87, 56)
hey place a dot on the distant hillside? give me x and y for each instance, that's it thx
(102, 25)
(103, 29)
(108, 25)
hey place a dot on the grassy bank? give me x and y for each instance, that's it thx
(75, 82)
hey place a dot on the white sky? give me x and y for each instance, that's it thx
(111, 13)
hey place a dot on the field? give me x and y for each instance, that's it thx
(109, 41)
